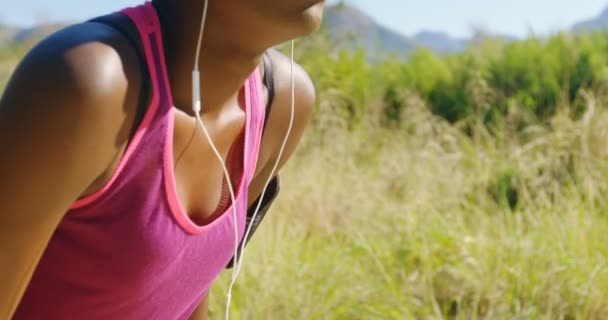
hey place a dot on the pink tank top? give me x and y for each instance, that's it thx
(130, 251)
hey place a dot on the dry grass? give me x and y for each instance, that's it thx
(416, 224)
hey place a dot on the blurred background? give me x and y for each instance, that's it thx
(455, 168)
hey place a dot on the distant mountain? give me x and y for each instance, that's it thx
(9, 34)
(598, 23)
(440, 41)
(38, 32)
(352, 28)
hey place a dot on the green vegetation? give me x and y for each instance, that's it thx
(519, 83)
(468, 186)
(10, 54)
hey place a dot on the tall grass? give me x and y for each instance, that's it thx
(432, 189)
(417, 224)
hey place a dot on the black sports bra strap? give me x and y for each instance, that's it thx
(269, 83)
(126, 27)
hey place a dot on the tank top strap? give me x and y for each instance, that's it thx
(148, 25)
(257, 108)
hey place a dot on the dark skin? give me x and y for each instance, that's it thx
(68, 112)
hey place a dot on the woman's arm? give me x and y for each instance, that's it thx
(62, 121)
(278, 119)
(202, 311)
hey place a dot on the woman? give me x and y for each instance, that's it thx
(112, 202)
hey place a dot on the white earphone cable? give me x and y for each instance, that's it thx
(197, 107)
(276, 164)
(200, 35)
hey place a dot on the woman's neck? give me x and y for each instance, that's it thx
(225, 61)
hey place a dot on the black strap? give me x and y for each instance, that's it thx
(275, 186)
(269, 83)
(125, 26)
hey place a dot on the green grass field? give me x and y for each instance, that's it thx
(399, 206)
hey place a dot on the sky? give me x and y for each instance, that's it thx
(513, 17)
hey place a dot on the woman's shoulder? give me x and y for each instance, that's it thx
(93, 57)
(304, 97)
(82, 81)
(282, 75)
(280, 116)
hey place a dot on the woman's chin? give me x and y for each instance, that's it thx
(312, 18)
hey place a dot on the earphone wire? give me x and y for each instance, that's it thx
(276, 164)
(239, 262)
(197, 106)
(200, 36)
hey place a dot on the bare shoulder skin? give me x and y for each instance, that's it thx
(279, 118)
(64, 117)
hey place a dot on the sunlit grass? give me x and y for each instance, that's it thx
(387, 225)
